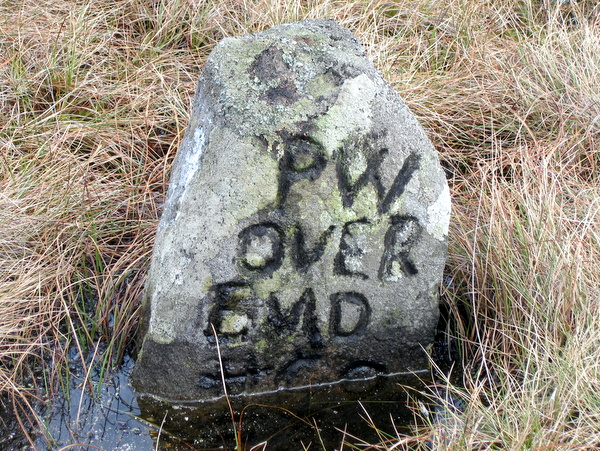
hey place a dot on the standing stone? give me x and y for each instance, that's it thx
(305, 226)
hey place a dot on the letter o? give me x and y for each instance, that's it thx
(260, 249)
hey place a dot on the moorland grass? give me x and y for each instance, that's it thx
(94, 99)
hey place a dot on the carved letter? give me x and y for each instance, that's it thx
(398, 242)
(350, 313)
(260, 249)
(352, 248)
(410, 165)
(302, 159)
(351, 180)
(232, 311)
(304, 257)
(352, 158)
(288, 323)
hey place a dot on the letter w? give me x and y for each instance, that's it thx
(349, 189)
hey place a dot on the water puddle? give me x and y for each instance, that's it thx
(314, 417)
(108, 416)
(105, 413)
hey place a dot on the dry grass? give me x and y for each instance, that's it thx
(94, 98)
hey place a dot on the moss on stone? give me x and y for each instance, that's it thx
(265, 286)
(234, 323)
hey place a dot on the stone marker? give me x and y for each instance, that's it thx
(305, 226)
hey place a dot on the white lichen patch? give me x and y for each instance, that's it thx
(356, 165)
(161, 331)
(192, 160)
(181, 180)
(351, 113)
(439, 215)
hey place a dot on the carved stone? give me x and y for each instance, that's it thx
(305, 226)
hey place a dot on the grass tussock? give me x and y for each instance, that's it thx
(94, 98)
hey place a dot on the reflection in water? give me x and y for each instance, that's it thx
(323, 415)
(108, 418)
(314, 417)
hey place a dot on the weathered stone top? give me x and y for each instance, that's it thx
(306, 220)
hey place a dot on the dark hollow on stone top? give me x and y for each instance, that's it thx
(305, 227)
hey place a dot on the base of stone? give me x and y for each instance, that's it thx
(286, 419)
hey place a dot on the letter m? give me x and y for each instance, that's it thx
(287, 323)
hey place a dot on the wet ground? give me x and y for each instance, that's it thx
(319, 417)
(105, 414)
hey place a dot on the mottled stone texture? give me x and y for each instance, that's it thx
(306, 221)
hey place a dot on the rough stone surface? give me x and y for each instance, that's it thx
(306, 220)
